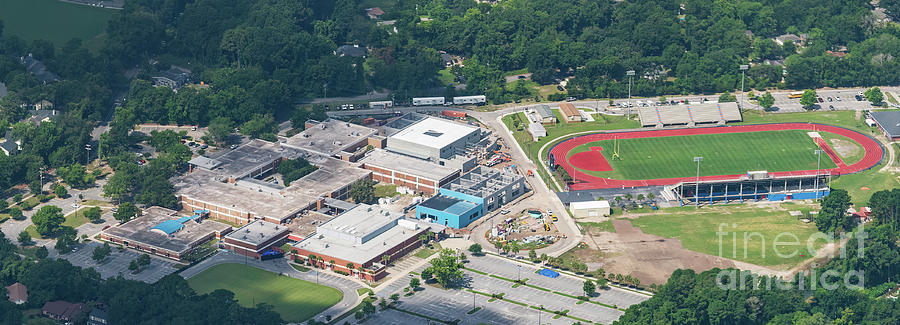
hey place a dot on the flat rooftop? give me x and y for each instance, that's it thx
(381, 230)
(434, 132)
(238, 163)
(448, 204)
(329, 137)
(247, 197)
(408, 165)
(332, 175)
(139, 230)
(257, 232)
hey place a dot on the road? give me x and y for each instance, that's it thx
(544, 197)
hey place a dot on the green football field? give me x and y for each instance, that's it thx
(295, 300)
(53, 20)
(723, 154)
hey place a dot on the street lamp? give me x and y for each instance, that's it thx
(539, 314)
(818, 160)
(697, 183)
(518, 273)
(743, 68)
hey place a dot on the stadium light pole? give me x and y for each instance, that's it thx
(818, 161)
(697, 184)
(743, 68)
(630, 74)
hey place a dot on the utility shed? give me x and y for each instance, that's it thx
(589, 209)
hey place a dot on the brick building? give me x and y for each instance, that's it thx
(405, 171)
(358, 240)
(164, 233)
(255, 238)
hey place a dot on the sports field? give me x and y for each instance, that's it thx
(723, 154)
(698, 230)
(53, 20)
(295, 300)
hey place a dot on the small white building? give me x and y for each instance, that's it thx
(428, 101)
(590, 209)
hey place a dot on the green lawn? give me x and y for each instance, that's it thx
(54, 20)
(723, 154)
(861, 185)
(697, 231)
(845, 119)
(295, 300)
(386, 190)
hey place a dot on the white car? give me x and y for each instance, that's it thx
(75, 205)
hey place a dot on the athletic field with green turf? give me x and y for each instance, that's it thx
(54, 20)
(723, 154)
(295, 300)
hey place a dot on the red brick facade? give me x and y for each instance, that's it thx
(158, 251)
(395, 253)
(424, 185)
(255, 251)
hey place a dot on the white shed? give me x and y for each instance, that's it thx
(589, 209)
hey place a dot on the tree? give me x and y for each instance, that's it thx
(727, 97)
(447, 268)
(60, 191)
(101, 252)
(544, 257)
(834, 217)
(766, 100)
(219, 129)
(92, 214)
(76, 176)
(24, 238)
(41, 252)
(414, 283)
(498, 245)
(363, 191)
(875, 96)
(427, 274)
(808, 100)
(475, 249)
(602, 283)
(589, 288)
(48, 220)
(261, 126)
(532, 254)
(16, 213)
(126, 211)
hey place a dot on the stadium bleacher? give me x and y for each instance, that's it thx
(689, 115)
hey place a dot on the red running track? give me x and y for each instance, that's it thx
(873, 156)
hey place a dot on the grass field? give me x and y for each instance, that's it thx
(723, 154)
(697, 231)
(295, 300)
(54, 20)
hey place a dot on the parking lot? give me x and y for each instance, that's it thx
(565, 284)
(116, 263)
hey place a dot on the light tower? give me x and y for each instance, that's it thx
(743, 68)
(697, 184)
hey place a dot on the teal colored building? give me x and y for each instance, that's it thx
(470, 197)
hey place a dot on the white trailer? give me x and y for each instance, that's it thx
(470, 100)
(381, 105)
(428, 101)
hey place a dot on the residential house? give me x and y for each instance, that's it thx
(8, 146)
(374, 13)
(798, 40)
(174, 78)
(38, 69)
(62, 310)
(351, 50)
(18, 293)
(98, 316)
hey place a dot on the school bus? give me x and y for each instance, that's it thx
(796, 94)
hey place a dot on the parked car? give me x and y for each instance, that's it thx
(829, 99)
(820, 99)
(838, 98)
(204, 146)
(234, 146)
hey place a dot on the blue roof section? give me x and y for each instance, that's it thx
(548, 273)
(169, 226)
(460, 207)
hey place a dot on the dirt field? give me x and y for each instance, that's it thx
(650, 258)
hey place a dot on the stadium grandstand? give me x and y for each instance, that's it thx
(689, 114)
(754, 186)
